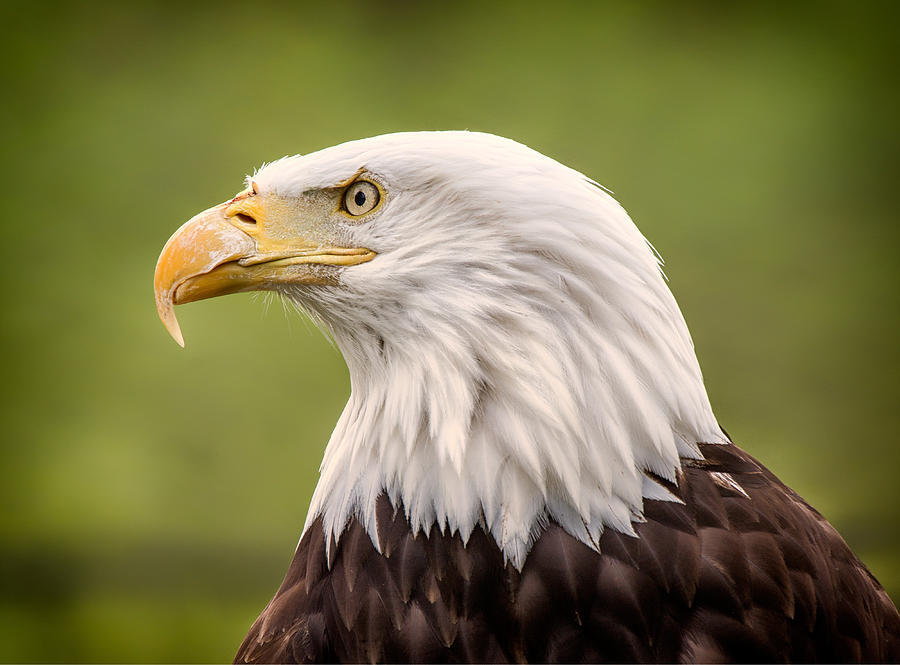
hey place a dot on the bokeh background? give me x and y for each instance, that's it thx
(152, 496)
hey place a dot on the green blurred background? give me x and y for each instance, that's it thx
(153, 496)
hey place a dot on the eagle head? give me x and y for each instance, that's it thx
(514, 351)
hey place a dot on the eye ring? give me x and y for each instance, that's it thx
(361, 197)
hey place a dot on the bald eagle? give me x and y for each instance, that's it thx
(528, 467)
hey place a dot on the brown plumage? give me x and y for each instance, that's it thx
(746, 573)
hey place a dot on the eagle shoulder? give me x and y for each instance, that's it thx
(743, 569)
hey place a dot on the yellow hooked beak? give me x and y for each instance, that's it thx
(250, 243)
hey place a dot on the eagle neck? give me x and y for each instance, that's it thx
(558, 422)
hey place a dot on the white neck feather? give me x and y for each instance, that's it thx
(532, 374)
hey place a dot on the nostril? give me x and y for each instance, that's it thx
(246, 219)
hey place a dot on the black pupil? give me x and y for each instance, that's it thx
(359, 198)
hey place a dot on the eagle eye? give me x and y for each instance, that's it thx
(361, 197)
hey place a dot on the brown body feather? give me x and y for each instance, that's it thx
(749, 573)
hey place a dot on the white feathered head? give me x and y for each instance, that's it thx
(514, 351)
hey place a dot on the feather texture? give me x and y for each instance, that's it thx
(528, 467)
(515, 354)
(724, 577)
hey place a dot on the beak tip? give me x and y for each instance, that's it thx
(167, 315)
(174, 330)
